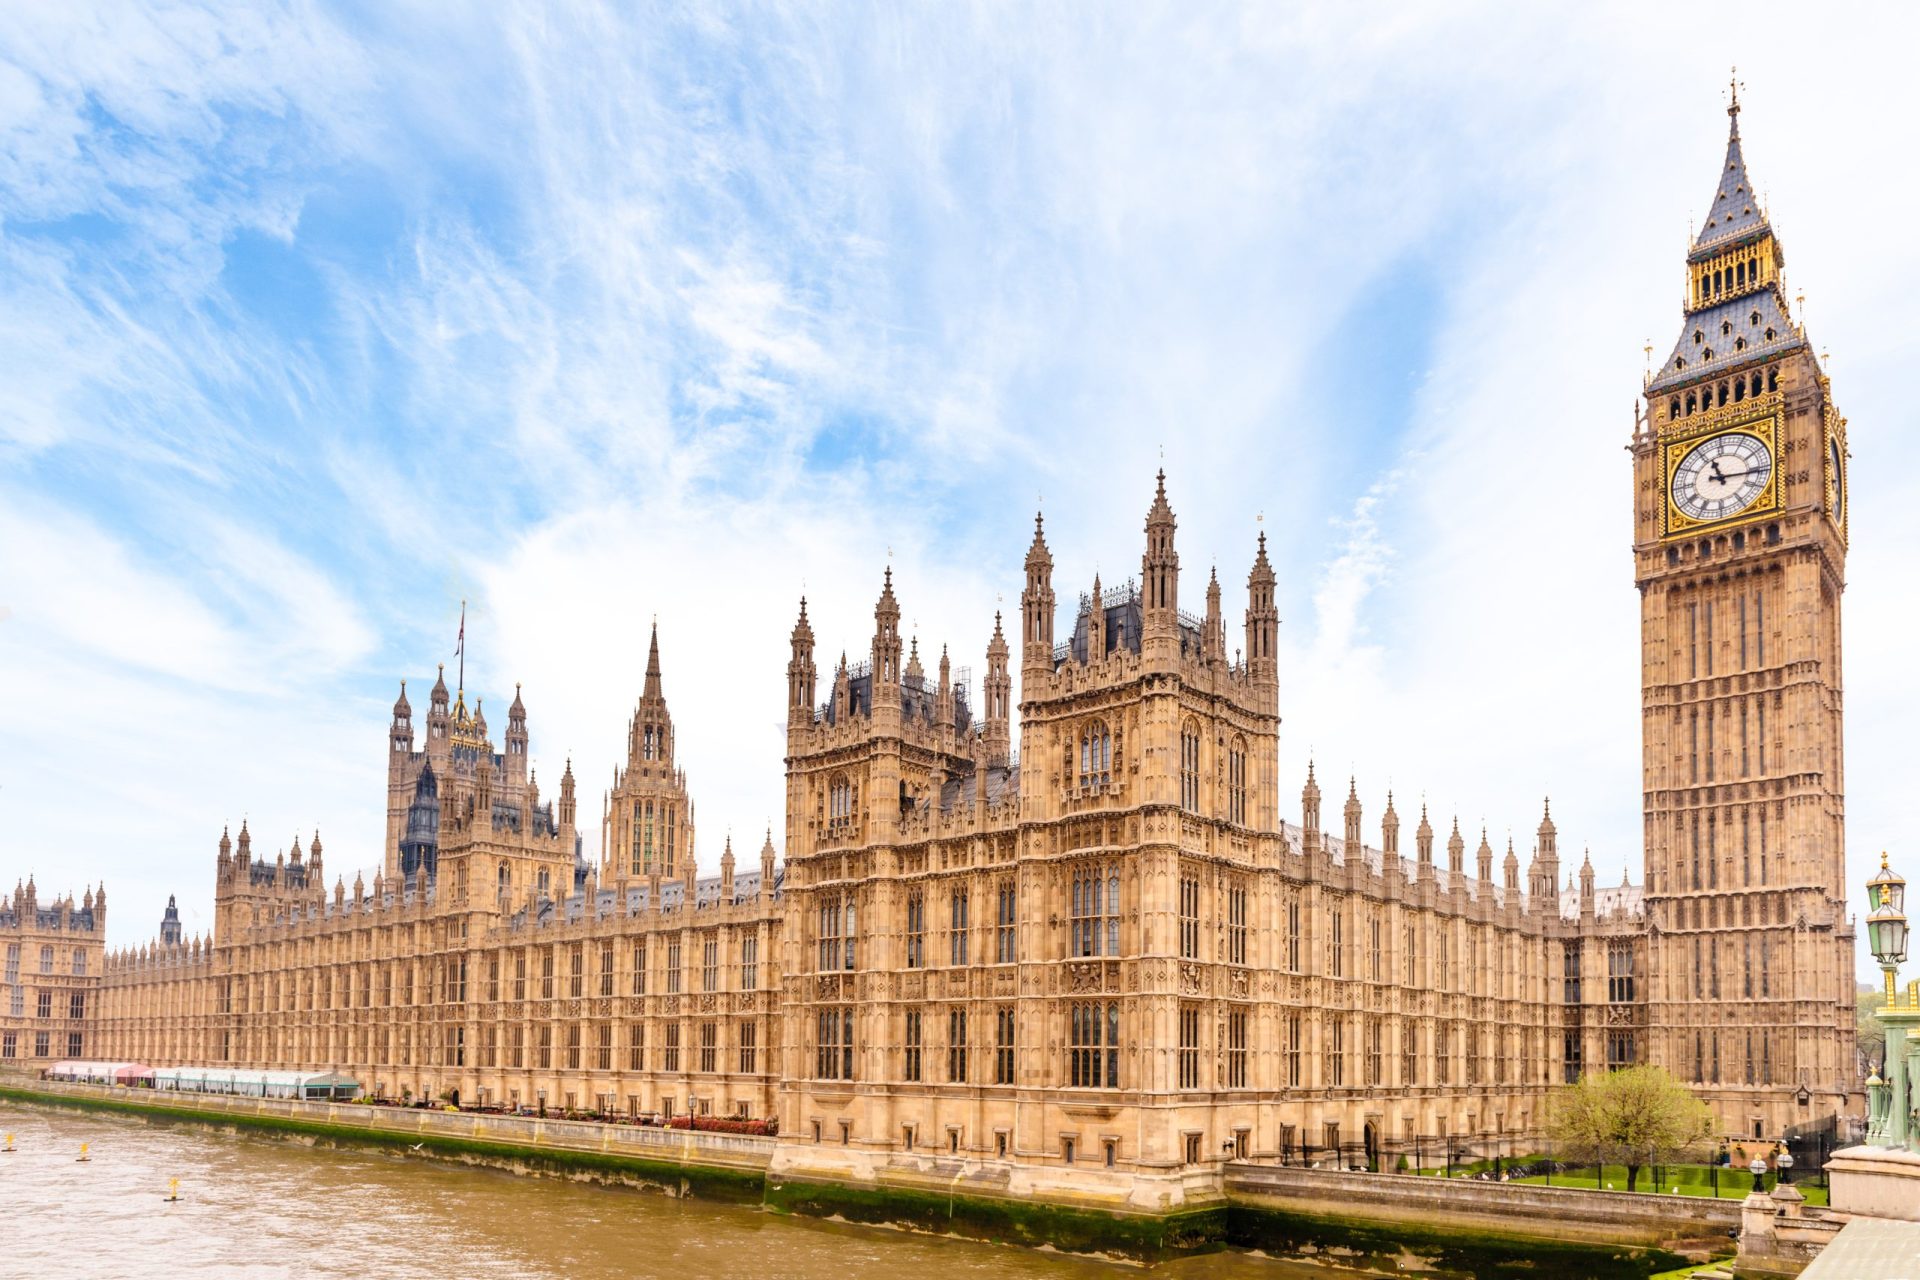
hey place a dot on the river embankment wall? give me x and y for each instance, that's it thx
(1408, 1225)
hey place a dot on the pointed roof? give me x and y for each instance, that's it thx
(518, 708)
(401, 707)
(1037, 555)
(440, 687)
(1735, 210)
(652, 689)
(1160, 512)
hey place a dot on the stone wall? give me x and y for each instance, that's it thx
(1517, 1208)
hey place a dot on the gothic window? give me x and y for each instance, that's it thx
(1699, 1058)
(1620, 973)
(837, 933)
(1698, 337)
(639, 985)
(1094, 920)
(1190, 767)
(576, 970)
(957, 1046)
(1690, 399)
(833, 1041)
(1293, 935)
(1571, 967)
(1336, 944)
(1237, 924)
(1726, 327)
(749, 963)
(1189, 918)
(1372, 1050)
(709, 963)
(749, 1048)
(1336, 1052)
(1096, 755)
(503, 881)
(1713, 970)
(1773, 375)
(1293, 1051)
(911, 1067)
(1374, 951)
(709, 1046)
(1189, 1060)
(1093, 1045)
(916, 929)
(1408, 940)
(1746, 982)
(1003, 1045)
(957, 932)
(1003, 931)
(1673, 408)
(673, 966)
(606, 968)
(840, 800)
(1237, 1049)
(1237, 781)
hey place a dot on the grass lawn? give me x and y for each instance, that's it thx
(1688, 1180)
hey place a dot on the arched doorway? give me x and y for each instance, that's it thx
(1371, 1136)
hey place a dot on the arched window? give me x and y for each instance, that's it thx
(1096, 755)
(1773, 377)
(1095, 911)
(1690, 402)
(840, 800)
(1726, 327)
(505, 880)
(1190, 767)
(1673, 407)
(1237, 781)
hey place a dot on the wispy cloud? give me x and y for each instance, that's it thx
(315, 320)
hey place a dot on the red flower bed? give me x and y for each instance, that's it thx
(719, 1124)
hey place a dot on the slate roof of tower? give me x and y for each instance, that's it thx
(1716, 351)
(1736, 207)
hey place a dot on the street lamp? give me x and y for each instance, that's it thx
(1758, 1168)
(1784, 1163)
(1887, 922)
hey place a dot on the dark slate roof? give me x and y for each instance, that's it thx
(1736, 208)
(1002, 782)
(1752, 316)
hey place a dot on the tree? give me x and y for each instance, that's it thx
(1872, 1036)
(1636, 1116)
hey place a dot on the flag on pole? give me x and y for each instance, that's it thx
(460, 645)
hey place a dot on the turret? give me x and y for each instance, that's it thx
(1423, 842)
(567, 804)
(1352, 814)
(1310, 813)
(1159, 581)
(1511, 869)
(943, 708)
(439, 718)
(401, 734)
(999, 696)
(1036, 612)
(225, 863)
(169, 923)
(516, 741)
(1456, 852)
(1484, 856)
(1390, 833)
(886, 646)
(800, 673)
(1263, 630)
(766, 867)
(726, 870)
(1213, 639)
(1545, 876)
(1587, 904)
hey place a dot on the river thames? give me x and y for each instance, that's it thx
(260, 1207)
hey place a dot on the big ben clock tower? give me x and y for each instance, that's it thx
(1740, 542)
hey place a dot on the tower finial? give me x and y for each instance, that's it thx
(1733, 92)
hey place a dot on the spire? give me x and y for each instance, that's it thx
(800, 672)
(1036, 608)
(1484, 855)
(1736, 208)
(439, 695)
(402, 709)
(652, 689)
(1159, 576)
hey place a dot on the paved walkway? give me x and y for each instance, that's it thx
(1870, 1249)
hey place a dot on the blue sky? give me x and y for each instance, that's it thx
(319, 318)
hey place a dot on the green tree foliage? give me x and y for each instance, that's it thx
(1872, 1036)
(1634, 1117)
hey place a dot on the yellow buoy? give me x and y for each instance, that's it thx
(173, 1190)
(84, 1157)
(9, 1145)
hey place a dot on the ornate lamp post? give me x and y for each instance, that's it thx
(1784, 1163)
(1758, 1168)
(1887, 923)
(1887, 936)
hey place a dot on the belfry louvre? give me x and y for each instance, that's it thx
(1109, 956)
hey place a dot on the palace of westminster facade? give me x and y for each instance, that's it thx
(1110, 954)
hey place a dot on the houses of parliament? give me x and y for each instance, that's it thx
(1122, 946)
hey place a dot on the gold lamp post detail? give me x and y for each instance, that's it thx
(1887, 923)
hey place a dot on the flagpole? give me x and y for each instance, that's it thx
(460, 646)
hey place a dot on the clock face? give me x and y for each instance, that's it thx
(1722, 476)
(1839, 472)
